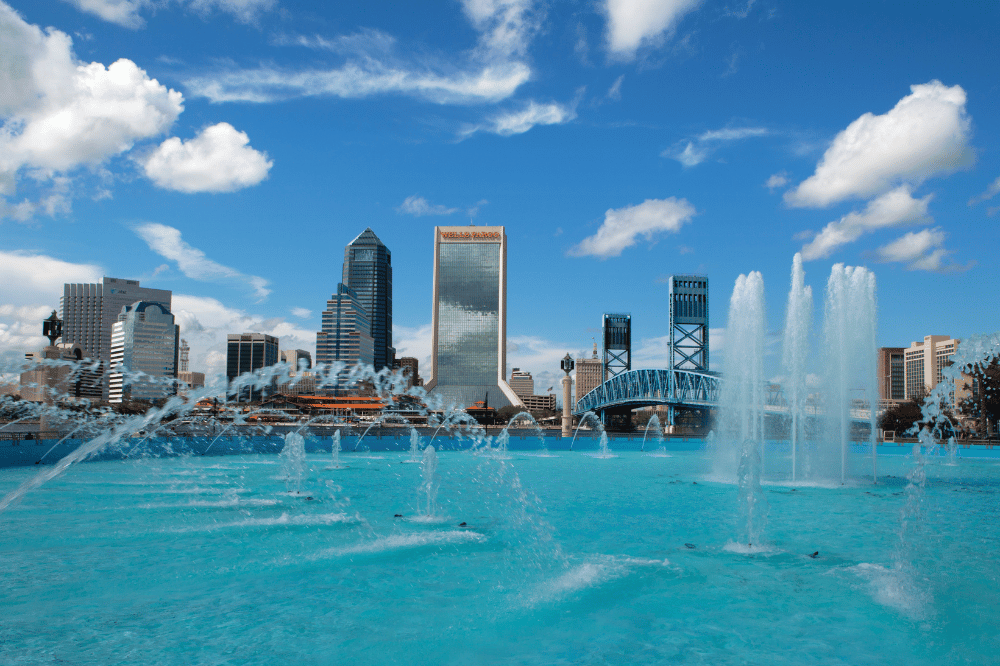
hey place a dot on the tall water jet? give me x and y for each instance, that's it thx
(431, 482)
(415, 442)
(798, 322)
(294, 461)
(654, 424)
(849, 340)
(335, 452)
(753, 507)
(741, 403)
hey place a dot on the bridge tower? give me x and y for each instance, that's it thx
(617, 333)
(688, 348)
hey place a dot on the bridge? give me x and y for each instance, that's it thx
(679, 389)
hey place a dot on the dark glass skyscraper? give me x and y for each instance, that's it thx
(368, 272)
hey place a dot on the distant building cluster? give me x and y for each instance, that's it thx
(908, 373)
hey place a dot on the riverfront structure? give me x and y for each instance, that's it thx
(688, 296)
(469, 317)
(368, 271)
(144, 340)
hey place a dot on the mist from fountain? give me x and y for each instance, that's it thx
(415, 442)
(335, 449)
(654, 424)
(431, 481)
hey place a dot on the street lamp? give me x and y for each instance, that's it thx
(567, 366)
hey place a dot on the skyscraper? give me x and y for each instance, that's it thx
(144, 340)
(89, 311)
(346, 335)
(246, 352)
(368, 271)
(468, 349)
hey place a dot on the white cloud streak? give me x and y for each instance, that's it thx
(127, 13)
(218, 159)
(519, 122)
(924, 135)
(989, 193)
(490, 72)
(192, 262)
(623, 227)
(637, 23)
(695, 151)
(893, 208)
(418, 206)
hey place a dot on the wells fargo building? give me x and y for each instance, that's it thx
(468, 351)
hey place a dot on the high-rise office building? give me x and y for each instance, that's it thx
(469, 318)
(589, 374)
(295, 358)
(246, 352)
(368, 271)
(522, 383)
(346, 335)
(144, 340)
(925, 362)
(891, 374)
(89, 311)
(410, 367)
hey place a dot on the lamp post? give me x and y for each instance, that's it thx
(567, 366)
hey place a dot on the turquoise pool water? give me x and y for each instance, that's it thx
(563, 559)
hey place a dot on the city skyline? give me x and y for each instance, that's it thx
(697, 141)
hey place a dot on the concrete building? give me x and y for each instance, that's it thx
(589, 374)
(299, 359)
(90, 311)
(469, 317)
(45, 382)
(537, 403)
(410, 367)
(186, 379)
(144, 340)
(891, 374)
(368, 271)
(925, 362)
(522, 383)
(346, 336)
(246, 352)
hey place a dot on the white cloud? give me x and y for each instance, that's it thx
(636, 23)
(615, 91)
(205, 322)
(302, 313)
(414, 341)
(39, 279)
(490, 72)
(519, 122)
(696, 150)
(922, 250)
(217, 160)
(623, 227)
(192, 262)
(892, 209)
(126, 13)
(60, 116)
(419, 206)
(991, 191)
(924, 135)
(776, 180)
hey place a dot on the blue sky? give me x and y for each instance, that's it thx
(229, 149)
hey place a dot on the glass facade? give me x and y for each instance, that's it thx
(346, 335)
(368, 272)
(247, 352)
(144, 339)
(468, 318)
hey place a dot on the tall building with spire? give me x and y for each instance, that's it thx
(368, 273)
(469, 346)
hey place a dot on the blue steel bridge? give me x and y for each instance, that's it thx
(678, 390)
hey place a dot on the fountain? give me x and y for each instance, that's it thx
(335, 452)
(798, 325)
(293, 461)
(654, 425)
(520, 546)
(414, 447)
